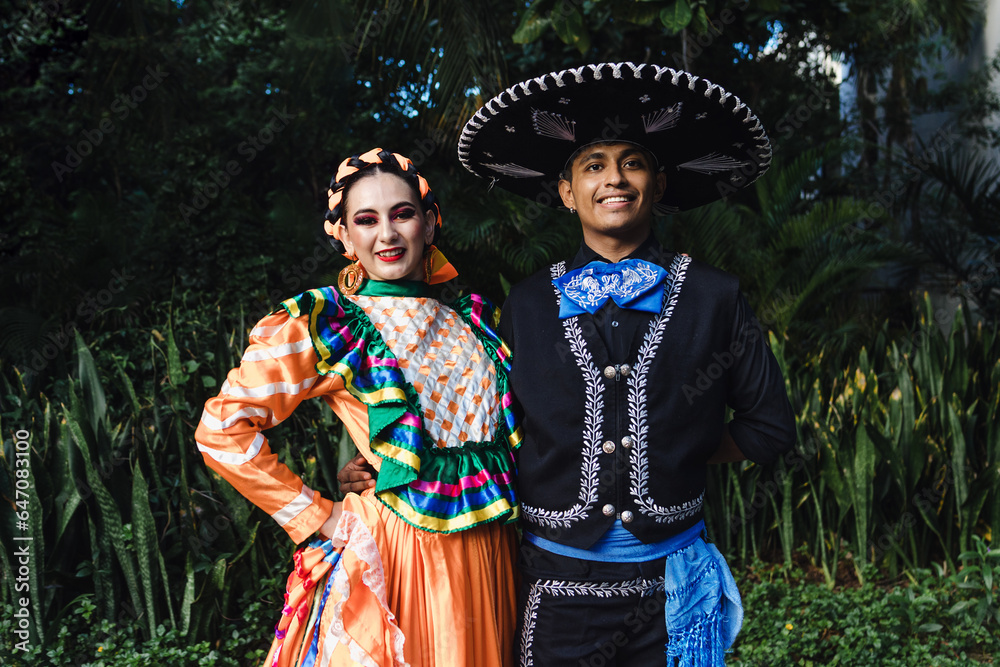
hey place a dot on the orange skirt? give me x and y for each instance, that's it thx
(398, 595)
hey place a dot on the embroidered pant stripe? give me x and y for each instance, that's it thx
(294, 508)
(557, 588)
(234, 458)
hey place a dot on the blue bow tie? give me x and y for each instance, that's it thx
(632, 283)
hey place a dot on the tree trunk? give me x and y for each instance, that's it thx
(867, 91)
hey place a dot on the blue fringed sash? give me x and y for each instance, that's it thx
(704, 612)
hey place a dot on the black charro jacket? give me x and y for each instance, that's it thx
(622, 409)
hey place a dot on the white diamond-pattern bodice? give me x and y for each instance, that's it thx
(454, 377)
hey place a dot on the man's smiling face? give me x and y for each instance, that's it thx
(613, 187)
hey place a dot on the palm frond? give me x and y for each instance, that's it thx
(972, 180)
(712, 233)
(784, 184)
(21, 331)
(445, 55)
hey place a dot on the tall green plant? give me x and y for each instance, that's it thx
(125, 513)
(896, 460)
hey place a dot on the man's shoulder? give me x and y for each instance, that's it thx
(684, 265)
(704, 277)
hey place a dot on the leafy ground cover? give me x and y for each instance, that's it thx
(82, 638)
(921, 619)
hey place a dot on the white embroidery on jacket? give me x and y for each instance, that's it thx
(637, 407)
(594, 408)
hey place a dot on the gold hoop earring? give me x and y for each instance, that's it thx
(428, 263)
(350, 278)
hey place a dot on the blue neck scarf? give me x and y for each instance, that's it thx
(631, 283)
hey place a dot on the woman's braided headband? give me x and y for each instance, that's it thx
(347, 173)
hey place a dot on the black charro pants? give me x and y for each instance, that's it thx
(577, 613)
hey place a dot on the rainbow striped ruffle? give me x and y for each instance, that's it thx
(436, 489)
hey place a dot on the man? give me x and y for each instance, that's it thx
(625, 359)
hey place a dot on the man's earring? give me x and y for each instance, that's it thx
(572, 210)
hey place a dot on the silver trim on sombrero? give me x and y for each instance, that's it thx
(469, 131)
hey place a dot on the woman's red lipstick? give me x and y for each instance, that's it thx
(391, 258)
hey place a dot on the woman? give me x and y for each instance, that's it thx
(418, 570)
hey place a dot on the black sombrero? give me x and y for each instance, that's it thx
(706, 140)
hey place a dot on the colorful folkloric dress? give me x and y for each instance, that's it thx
(426, 574)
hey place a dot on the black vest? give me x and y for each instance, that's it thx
(629, 438)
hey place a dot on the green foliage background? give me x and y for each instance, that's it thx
(163, 184)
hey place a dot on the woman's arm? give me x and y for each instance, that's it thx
(275, 375)
(330, 525)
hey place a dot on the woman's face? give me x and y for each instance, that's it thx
(386, 227)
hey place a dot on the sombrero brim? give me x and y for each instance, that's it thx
(707, 142)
